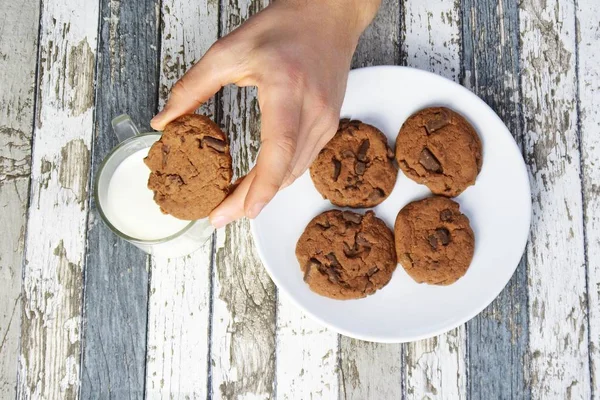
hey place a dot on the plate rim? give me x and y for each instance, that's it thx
(476, 310)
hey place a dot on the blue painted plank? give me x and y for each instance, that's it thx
(116, 274)
(498, 337)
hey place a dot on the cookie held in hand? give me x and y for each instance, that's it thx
(191, 167)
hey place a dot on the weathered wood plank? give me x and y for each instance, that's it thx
(498, 336)
(370, 370)
(380, 42)
(178, 327)
(307, 356)
(18, 54)
(56, 231)
(558, 327)
(178, 321)
(244, 300)
(432, 41)
(373, 370)
(431, 36)
(116, 279)
(588, 17)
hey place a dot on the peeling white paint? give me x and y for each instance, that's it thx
(56, 231)
(588, 13)
(178, 316)
(243, 321)
(555, 256)
(307, 355)
(435, 367)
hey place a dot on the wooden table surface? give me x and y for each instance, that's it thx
(85, 315)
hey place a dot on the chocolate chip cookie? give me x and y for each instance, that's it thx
(191, 167)
(356, 168)
(434, 240)
(439, 148)
(345, 255)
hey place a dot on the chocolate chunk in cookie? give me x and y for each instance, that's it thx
(356, 168)
(439, 148)
(191, 167)
(434, 241)
(345, 255)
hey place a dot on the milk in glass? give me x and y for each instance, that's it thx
(130, 206)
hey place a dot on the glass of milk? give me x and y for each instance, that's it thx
(127, 206)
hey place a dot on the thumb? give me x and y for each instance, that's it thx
(280, 125)
(217, 68)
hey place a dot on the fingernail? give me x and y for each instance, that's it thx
(220, 221)
(255, 210)
(158, 116)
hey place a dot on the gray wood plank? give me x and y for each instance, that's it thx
(116, 279)
(373, 370)
(380, 42)
(498, 337)
(18, 55)
(244, 297)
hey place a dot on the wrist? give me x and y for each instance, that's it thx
(357, 14)
(353, 14)
(366, 11)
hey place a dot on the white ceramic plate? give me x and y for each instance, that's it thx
(498, 205)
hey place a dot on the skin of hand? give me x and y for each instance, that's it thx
(298, 54)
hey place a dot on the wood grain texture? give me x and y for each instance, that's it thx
(373, 370)
(18, 54)
(177, 365)
(558, 325)
(56, 231)
(498, 337)
(588, 18)
(178, 321)
(307, 356)
(431, 36)
(432, 41)
(116, 279)
(370, 370)
(244, 299)
(380, 42)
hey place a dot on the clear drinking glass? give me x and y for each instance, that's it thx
(182, 243)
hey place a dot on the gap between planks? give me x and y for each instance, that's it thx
(588, 73)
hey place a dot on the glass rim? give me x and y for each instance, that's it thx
(103, 216)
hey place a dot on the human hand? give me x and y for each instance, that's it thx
(298, 54)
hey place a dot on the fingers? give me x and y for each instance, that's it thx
(281, 112)
(310, 143)
(308, 156)
(232, 207)
(218, 67)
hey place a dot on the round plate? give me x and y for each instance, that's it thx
(498, 206)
